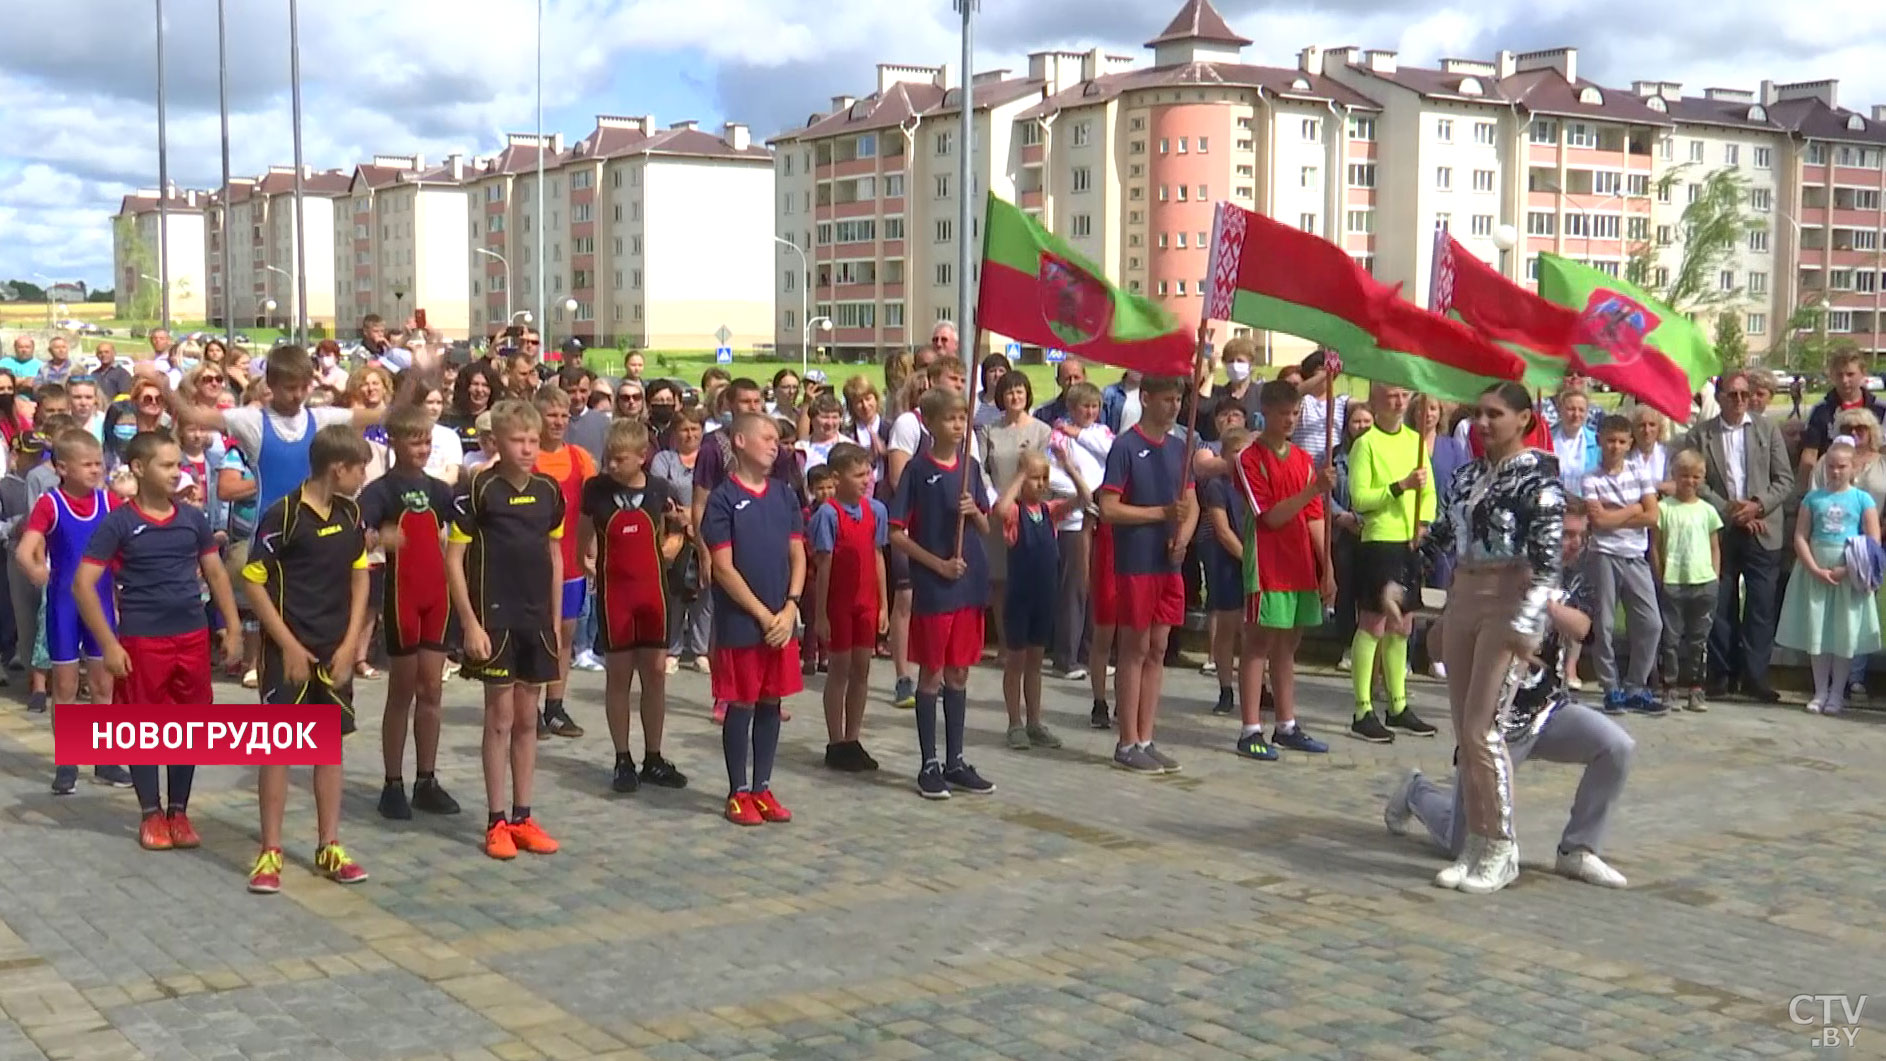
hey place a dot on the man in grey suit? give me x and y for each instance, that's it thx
(1747, 476)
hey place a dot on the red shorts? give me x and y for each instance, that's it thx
(947, 639)
(166, 670)
(756, 674)
(1103, 590)
(1146, 601)
(627, 619)
(412, 620)
(854, 626)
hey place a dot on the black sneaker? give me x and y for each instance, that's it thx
(36, 702)
(865, 762)
(431, 797)
(661, 773)
(1102, 717)
(1370, 728)
(965, 777)
(930, 783)
(393, 803)
(64, 780)
(1410, 723)
(624, 779)
(561, 724)
(840, 756)
(111, 776)
(1761, 694)
(1224, 706)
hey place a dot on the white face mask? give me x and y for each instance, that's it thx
(1238, 371)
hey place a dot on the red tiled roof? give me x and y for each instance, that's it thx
(320, 182)
(147, 204)
(374, 176)
(1701, 110)
(1813, 119)
(1279, 81)
(1198, 20)
(881, 110)
(519, 158)
(696, 144)
(1547, 92)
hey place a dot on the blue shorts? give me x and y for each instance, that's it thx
(1028, 616)
(575, 594)
(67, 638)
(1224, 583)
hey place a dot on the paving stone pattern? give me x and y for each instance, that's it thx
(1238, 909)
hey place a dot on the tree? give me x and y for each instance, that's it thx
(1805, 345)
(1731, 345)
(1714, 225)
(25, 291)
(137, 258)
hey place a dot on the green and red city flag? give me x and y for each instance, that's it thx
(1037, 289)
(1271, 276)
(1660, 353)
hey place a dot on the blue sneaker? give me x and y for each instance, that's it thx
(1643, 703)
(1615, 702)
(905, 696)
(1298, 741)
(114, 776)
(64, 780)
(1253, 747)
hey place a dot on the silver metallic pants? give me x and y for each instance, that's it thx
(1475, 635)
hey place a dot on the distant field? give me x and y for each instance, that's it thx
(12, 312)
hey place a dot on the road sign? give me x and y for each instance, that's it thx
(1013, 352)
(723, 355)
(1055, 357)
(721, 335)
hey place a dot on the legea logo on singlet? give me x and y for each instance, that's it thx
(525, 500)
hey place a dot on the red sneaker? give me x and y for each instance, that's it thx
(743, 809)
(769, 806)
(498, 841)
(529, 836)
(154, 834)
(266, 877)
(182, 833)
(720, 712)
(336, 865)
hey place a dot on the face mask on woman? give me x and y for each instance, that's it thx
(661, 415)
(1238, 371)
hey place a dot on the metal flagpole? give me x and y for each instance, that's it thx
(163, 179)
(222, 93)
(301, 241)
(543, 219)
(965, 233)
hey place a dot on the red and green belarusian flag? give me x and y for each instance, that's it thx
(1469, 290)
(1271, 276)
(1036, 289)
(1624, 333)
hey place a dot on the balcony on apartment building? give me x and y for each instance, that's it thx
(1842, 206)
(855, 156)
(1590, 144)
(1837, 246)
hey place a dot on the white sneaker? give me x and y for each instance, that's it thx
(1833, 707)
(586, 660)
(1497, 867)
(1077, 674)
(671, 666)
(1345, 663)
(1588, 867)
(701, 665)
(1572, 683)
(1208, 668)
(1454, 874)
(1814, 707)
(1438, 671)
(1399, 809)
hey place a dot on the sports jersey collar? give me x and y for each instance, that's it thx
(301, 499)
(950, 466)
(761, 492)
(148, 518)
(1151, 441)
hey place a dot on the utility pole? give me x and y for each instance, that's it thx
(966, 219)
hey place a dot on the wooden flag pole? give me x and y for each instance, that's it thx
(1330, 368)
(962, 521)
(1191, 416)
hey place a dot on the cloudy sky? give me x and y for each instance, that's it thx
(78, 77)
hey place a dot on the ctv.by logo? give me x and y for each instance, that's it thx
(1836, 1016)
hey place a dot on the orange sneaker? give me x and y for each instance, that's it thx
(266, 877)
(182, 833)
(743, 809)
(527, 835)
(769, 806)
(498, 842)
(154, 834)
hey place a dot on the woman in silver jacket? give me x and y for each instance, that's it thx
(1504, 518)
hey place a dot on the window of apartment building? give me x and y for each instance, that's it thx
(1606, 226)
(1135, 171)
(1081, 226)
(861, 230)
(635, 311)
(582, 179)
(1083, 178)
(1666, 148)
(1865, 239)
(1362, 221)
(1663, 191)
(1031, 133)
(1757, 283)
(618, 213)
(866, 146)
(1132, 263)
(1083, 132)
(1162, 241)
(1306, 177)
(1866, 282)
(1606, 182)
(1136, 193)
(945, 140)
(1242, 191)
(635, 244)
(893, 228)
(1365, 262)
(556, 252)
(1179, 240)
(1541, 223)
(581, 279)
(1162, 289)
(1637, 184)
(635, 211)
(1201, 239)
(1577, 224)
(1483, 180)
(943, 186)
(1865, 199)
(1182, 192)
(943, 274)
(583, 245)
(785, 167)
(855, 315)
(1361, 128)
(494, 193)
(1758, 240)
(1164, 145)
(497, 282)
(1840, 280)
(894, 186)
(1816, 154)
(1696, 150)
(1444, 178)
(1307, 222)
(1482, 225)
(1245, 145)
(1312, 130)
(1695, 191)
(1840, 320)
(1485, 132)
(1244, 123)
(1204, 145)
(1580, 134)
(1179, 288)
(1444, 130)
(1725, 280)
(1544, 131)
(582, 212)
(1637, 228)
(945, 230)
(1764, 158)
(1731, 154)
(1136, 147)
(1184, 143)
(1362, 174)
(1756, 324)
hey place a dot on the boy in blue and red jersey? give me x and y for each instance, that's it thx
(949, 577)
(569, 467)
(849, 532)
(158, 652)
(755, 532)
(632, 531)
(1146, 498)
(821, 484)
(410, 510)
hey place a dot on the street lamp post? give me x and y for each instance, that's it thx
(965, 180)
(222, 99)
(507, 276)
(543, 219)
(570, 306)
(804, 292)
(301, 241)
(163, 175)
(291, 286)
(805, 342)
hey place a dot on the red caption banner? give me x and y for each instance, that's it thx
(197, 735)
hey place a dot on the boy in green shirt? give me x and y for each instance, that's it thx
(1391, 487)
(1686, 556)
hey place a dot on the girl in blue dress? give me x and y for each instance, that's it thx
(1826, 615)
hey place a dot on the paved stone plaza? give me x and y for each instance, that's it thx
(1239, 909)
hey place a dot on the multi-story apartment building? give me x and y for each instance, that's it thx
(402, 243)
(1831, 209)
(661, 236)
(135, 239)
(262, 260)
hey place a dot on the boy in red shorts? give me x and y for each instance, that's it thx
(849, 532)
(949, 578)
(1292, 576)
(631, 533)
(1152, 511)
(160, 652)
(755, 532)
(569, 467)
(409, 510)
